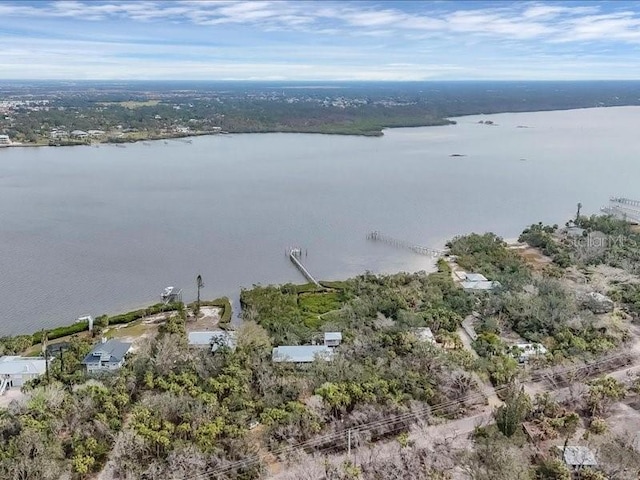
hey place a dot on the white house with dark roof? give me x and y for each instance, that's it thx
(106, 356)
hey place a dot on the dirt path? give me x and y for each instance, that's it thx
(485, 386)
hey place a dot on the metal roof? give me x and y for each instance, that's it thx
(301, 353)
(13, 365)
(577, 456)
(475, 277)
(333, 336)
(482, 285)
(425, 334)
(112, 351)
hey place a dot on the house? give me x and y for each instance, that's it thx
(79, 134)
(576, 457)
(212, 339)
(106, 356)
(16, 371)
(475, 282)
(95, 133)
(301, 353)
(425, 334)
(332, 339)
(525, 351)
(58, 134)
(5, 140)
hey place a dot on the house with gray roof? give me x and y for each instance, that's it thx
(212, 339)
(106, 356)
(301, 353)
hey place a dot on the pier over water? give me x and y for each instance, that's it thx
(295, 254)
(419, 249)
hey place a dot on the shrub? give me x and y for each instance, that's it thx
(598, 426)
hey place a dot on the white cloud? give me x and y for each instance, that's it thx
(307, 40)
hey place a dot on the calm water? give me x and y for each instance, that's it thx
(99, 230)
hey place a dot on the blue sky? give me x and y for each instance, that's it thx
(324, 40)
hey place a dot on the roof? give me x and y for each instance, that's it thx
(425, 334)
(112, 351)
(475, 277)
(215, 338)
(460, 274)
(13, 365)
(480, 285)
(333, 336)
(301, 353)
(575, 231)
(577, 456)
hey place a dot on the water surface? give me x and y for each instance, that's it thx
(88, 230)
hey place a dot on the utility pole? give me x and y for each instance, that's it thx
(200, 285)
(45, 352)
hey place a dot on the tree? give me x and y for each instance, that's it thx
(553, 469)
(567, 426)
(252, 336)
(578, 211)
(517, 406)
(602, 392)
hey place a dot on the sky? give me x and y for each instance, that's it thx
(319, 40)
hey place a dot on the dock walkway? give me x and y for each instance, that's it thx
(294, 255)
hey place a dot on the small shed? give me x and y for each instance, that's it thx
(425, 334)
(332, 339)
(597, 302)
(576, 457)
(301, 353)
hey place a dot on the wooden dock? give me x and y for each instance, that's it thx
(419, 249)
(623, 208)
(295, 254)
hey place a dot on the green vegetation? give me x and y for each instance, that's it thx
(178, 412)
(488, 255)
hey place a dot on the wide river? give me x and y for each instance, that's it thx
(89, 230)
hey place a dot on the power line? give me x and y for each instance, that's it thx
(380, 423)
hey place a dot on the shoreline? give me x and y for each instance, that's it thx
(373, 133)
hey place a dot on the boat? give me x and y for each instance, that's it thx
(166, 293)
